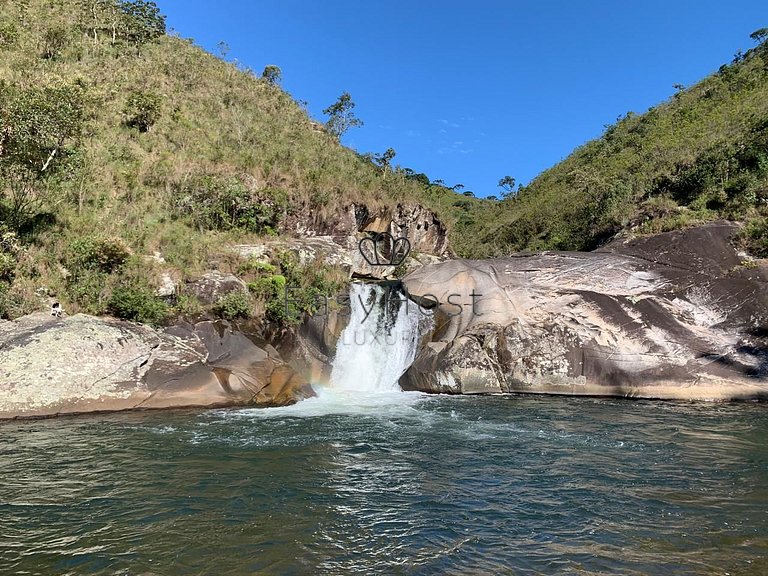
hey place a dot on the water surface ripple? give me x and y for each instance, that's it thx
(429, 485)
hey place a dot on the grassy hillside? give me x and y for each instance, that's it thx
(700, 156)
(118, 141)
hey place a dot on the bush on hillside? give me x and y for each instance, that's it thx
(94, 253)
(142, 110)
(9, 251)
(138, 302)
(226, 203)
(234, 305)
(754, 237)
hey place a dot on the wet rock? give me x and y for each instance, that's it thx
(672, 316)
(51, 366)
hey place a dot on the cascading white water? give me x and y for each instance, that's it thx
(374, 350)
(380, 341)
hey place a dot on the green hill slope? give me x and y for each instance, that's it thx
(700, 156)
(117, 140)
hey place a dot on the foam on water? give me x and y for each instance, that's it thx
(330, 401)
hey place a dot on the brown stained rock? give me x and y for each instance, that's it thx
(334, 238)
(285, 386)
(52, 366)
(672, 316)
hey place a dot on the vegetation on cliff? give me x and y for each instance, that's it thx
(115, 134)
(127, 154)
(701, 156)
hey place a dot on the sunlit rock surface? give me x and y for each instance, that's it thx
(678, 315)
(51, 366)
(334, 239)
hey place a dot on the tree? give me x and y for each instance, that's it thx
(142, 20)
(341, 117)
(419, 177)
(40, 129)
(760, 35)
(384, 160)
(37, 123)
(507, 184)
(272, 74)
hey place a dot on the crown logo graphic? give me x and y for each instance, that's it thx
(384, 249)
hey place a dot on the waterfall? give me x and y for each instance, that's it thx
(380, 341)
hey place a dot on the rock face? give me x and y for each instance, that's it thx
(51, 366)
(214, 285)
(334, 239)
(678, 315)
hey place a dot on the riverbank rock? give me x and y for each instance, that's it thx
(678, 315)
(51, 366)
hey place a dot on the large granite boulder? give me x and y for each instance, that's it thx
(679, 315)
(51, 366)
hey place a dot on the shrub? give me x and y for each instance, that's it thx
(754, 237)
(142, 110)
(298, 291)
(100, 254)
(9, 250)
(253, 266)
(234, 305)
(217, 203)
(9, 35)
(138, 302)
(54, 41)
(88, 290)
(187, 305)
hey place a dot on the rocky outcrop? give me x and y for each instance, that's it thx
(334, 239)
(213, 286)
(679, 315)
(426, 232)
(51, 366)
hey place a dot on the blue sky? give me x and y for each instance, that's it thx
(468, 92)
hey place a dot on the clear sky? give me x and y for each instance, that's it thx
(470, 91)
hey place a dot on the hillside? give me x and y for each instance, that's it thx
(118, 141)
(701, 156)
(127, 153)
